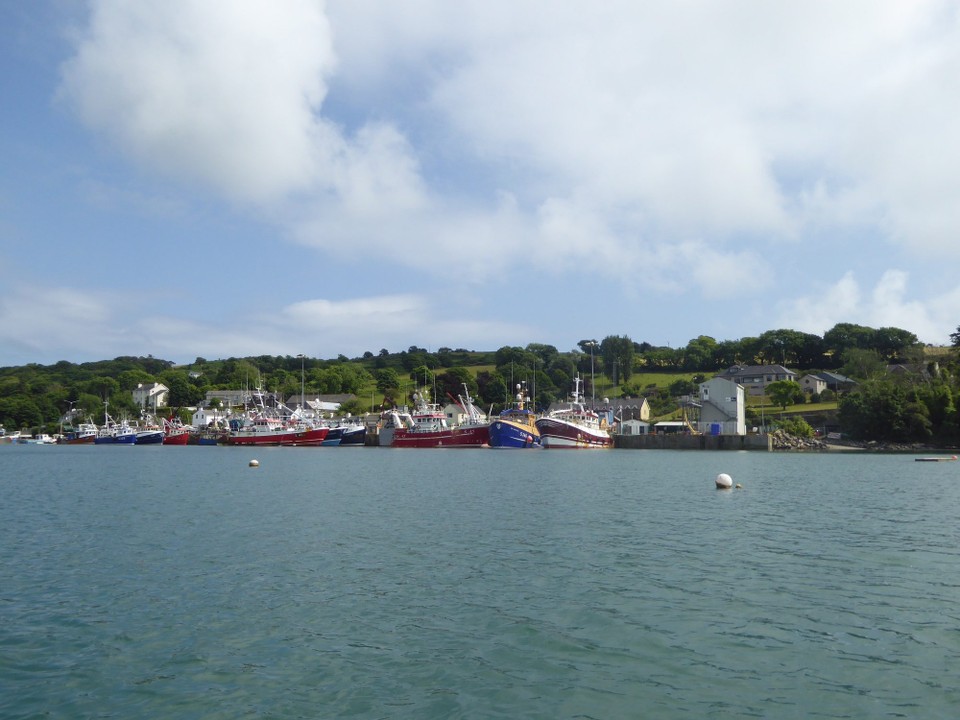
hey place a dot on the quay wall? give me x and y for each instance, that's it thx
(676, 441)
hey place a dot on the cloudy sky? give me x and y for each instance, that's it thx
(223, 178)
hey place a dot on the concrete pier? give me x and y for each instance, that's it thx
(676, 441)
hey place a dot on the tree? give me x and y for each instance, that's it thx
(785, 392)
(450, 383)
(861, 363)
(893, 343)
(387, 379)
(617, 355)
(421, 376)
(700, 354)
(955, 338)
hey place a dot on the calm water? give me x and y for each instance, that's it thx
(377, 583)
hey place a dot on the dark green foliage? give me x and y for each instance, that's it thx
(798, 427)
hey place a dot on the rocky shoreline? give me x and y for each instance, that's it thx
(784, 441)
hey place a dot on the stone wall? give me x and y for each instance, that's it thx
(677, 441)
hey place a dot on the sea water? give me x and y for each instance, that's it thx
(399, 583)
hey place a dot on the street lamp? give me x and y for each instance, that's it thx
(303, 400)
(593, 391)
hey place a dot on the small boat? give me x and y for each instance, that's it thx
(574, 426)
(936, 459)
(516, 426)
(431, 429)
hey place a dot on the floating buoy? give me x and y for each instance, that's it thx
(738, 486)
(724, 481)
(254, 463)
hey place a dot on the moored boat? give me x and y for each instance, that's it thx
(175, 432)
(115, 433)
(515, 427)
(269, 430)
(574, 426)
(354, 435)
(150, 435)
(431, 429)
(83, 434)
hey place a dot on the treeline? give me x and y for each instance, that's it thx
(36, 396)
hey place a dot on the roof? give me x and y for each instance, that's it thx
(736, 370)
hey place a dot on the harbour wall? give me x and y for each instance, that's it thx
(677, 441)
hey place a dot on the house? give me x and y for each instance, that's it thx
(813, 383)
(818, 382)
(755, 378)
(150, 395)
(722, 407)
(633, 427)
(205, 417)
(229, 398)
(633, 409)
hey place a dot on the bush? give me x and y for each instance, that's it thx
(798, 427)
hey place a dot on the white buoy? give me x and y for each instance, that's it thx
(254, 463)
(724, 481)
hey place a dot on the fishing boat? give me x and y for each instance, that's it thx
(83, 434)
(175, 432)
(431, 429)
(346, 432)
(515, 427)
(354, 435)
(114, 433)
(149, 435)
(265, 426)
(270, 430)
(574, 426)
(391, 420)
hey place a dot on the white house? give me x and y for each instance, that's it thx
(205, 417)
(722, 407)
(813, 383)
(633, 427)
(151, 395)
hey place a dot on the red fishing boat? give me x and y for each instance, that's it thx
(175, 432)
(429, 426)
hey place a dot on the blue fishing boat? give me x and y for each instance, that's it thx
(515, 427)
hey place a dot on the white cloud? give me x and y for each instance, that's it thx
(887, 304)
(218, 91)
(694, 148)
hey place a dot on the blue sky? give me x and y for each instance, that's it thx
(223, 178)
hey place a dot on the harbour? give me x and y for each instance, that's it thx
(428, 584)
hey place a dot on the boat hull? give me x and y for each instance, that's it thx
(150, 437)
(77, 439)
(559, 434)
(353, 436)
(334, 436)
(312, 437)
(476, 436)
(511, 434)
(180, 437)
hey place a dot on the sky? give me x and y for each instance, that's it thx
(230, 178)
